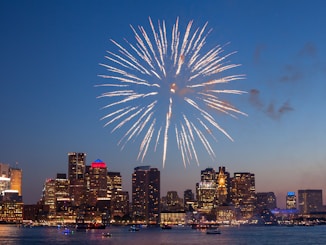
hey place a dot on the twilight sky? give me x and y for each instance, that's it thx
(50, 55)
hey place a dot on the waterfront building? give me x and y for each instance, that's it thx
(30, 212)
(119, 203)
(243, 194)
(76, 176)
(173, 218)
(49, 197)
(310, 201)
(225, 214)
(11, 207)
(146, 194)
(291, 200)
(114, 182)
(206, 190)
(119, 199)
(188, 200)
(11, 202)
(61, 187)
(172, 202)
(265, 200)
(64, 210)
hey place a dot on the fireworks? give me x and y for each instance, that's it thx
(165, 84)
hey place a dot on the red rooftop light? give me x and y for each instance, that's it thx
(98, 164)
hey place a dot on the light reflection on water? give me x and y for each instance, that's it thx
(10, 234)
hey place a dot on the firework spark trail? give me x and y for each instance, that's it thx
(161, 81)
(134, 128)
(167, 125)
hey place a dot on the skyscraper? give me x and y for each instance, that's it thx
(265, 200)
(4, 170)
(206, 190)
(114, 181)
(63, 201)
(119, 199)
(10, 178)
(4, 177)
(96, 181)
(310, 201)
(223, 187)
(76, 175)
(243, 194)
(16, 180)
(188, 200)
(291, 200)
(146, 194)
(49, 197)
(119, 203)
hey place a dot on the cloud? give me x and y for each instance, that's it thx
(257, 53)
(292, 74)
(278, 113)
(270, 110)
(254, 98)
(309, 49)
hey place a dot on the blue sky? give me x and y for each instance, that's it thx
(50, 55)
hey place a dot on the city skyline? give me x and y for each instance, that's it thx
(50, 61)
(98, 163)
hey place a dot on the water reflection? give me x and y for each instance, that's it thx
(11, 234)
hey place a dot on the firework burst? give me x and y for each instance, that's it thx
(167, 84)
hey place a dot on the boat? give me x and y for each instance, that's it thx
(81, 226)
(133, 228)
(107, 234)
(67, 231)
(212, 232)
(96, 226)
(204, 226)
(166, 227)
(84, 226)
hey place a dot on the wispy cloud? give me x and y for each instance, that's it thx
(292, 75)
(271, 109)
(278, 112)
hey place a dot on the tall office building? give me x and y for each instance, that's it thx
(49, 196)
(291, 200)
(10, 178)
(146, 194)
(11, 203)
(206, 190)
(11, 207)
(4, 177)
(76, 176)
(223, 187)
(96, 181)
(119, 203)
(16, 180)
(265, 200)
(63, 201)
(310, 201)
(243, 194)
(188, 200)
(114, 181)
(4, 170)
(119, 199)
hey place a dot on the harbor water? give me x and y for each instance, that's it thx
(244, 235)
